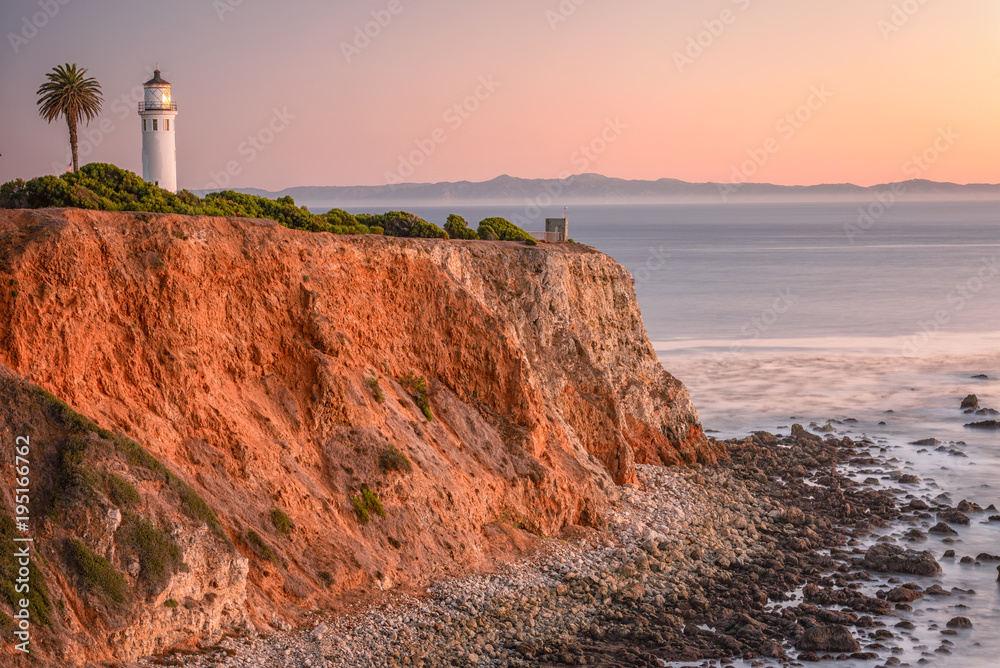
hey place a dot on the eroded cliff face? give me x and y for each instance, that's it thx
(262, 366)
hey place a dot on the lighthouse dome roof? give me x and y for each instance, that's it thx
(157, 80)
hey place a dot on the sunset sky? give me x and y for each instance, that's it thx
(551, 77)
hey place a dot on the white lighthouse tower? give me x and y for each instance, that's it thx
(159, 152)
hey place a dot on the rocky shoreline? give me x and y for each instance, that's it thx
(760, 558)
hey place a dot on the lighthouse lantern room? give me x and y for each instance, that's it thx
(159, 152)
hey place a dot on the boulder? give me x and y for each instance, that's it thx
(886, 558)
(903, 595)
(908, 479)
(832, 638)
(986, 424)
(960, 623)
(943, 528)
(971, 401)
(954, 517)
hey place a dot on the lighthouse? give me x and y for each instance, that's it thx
(159, 152)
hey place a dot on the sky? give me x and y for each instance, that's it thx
(368, 92)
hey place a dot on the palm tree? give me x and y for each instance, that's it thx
(68, 93)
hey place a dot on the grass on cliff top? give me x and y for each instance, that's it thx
(39, 606)
(106, 187)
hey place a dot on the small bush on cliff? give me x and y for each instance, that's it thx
(97, 571)
(38, 595)
(373, 385)
(392, 459)
(257, 545)
(503, 229)
(159, 556)
(417, 387)
(367, 503)
(458, 228)
(281, 522)
(121, 491)
(402, 224)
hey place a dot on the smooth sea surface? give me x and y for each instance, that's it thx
(773, 314)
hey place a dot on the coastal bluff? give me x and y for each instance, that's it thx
(258, 386)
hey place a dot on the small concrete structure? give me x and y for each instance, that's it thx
(557, 229)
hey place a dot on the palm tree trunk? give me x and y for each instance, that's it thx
(72, 140)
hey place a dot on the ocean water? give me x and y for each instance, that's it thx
(773, 314)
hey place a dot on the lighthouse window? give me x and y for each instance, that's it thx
(154, 125)
(166, 124)
(144, 125)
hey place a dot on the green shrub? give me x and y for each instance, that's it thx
(503, 229)
(417, 387)
(257, 545)
(373, 385)
(402, 224)
(367, 503)
(372, 502)
(359, 509)
(159, 556)
(282, 523)
(392, 459)
(121, 492)
(171, 603)
(196, 507)
(97, 571)
(39, 606)
(458, 228)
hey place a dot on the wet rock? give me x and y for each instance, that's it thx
(960, 623)
(986, 424)
(937, 590)
(833, 638)
(986, 556)
(908, 479)
(915, 534)
(793, 515)
(966, 560)
(943, 528)
(903, 595)
(981, 376)
(886, 558)
(971, 401)
(918, 504)
(994, 518)
(926, 441)
(949, 554)
(954, 517)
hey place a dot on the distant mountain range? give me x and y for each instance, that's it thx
(598, 189)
